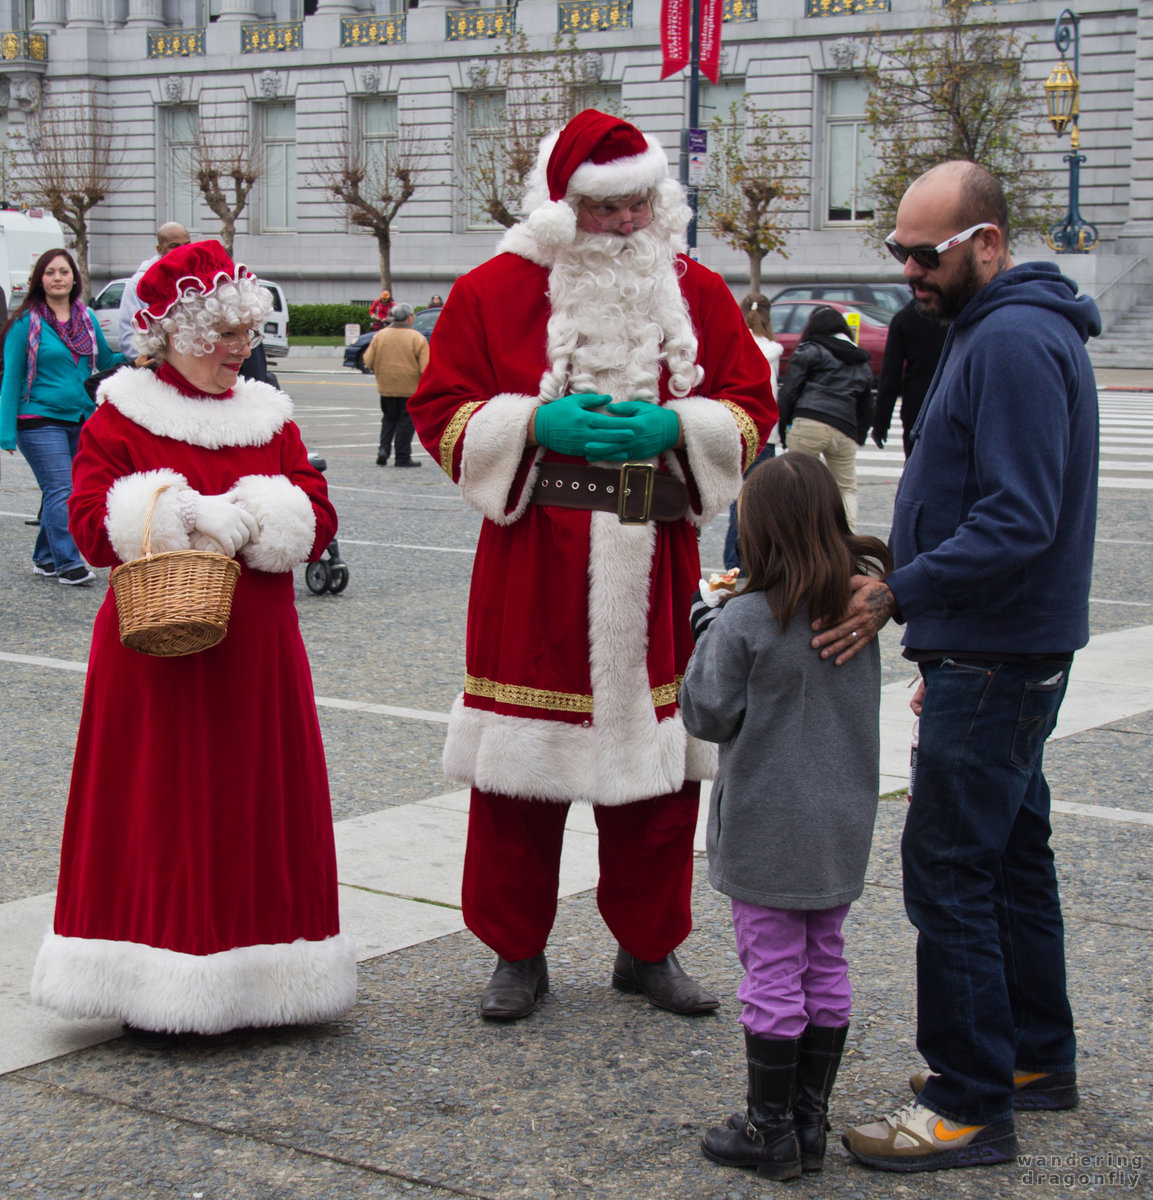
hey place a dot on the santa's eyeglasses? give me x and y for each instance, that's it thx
(929, 257)
(607, 215)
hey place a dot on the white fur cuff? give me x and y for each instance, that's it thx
(286, 519)
(127, 503)
(716, 453)
(494, 444)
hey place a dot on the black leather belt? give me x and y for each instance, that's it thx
(635, 492)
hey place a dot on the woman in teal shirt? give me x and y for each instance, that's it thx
(51, 345)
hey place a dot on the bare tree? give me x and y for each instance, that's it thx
(68, 165)
(373, 181)
(954, 91)
(522, 96)
(755, 164)
(225, 166)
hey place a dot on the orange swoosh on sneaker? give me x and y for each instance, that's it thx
(1020, 1077)
(951, 1135)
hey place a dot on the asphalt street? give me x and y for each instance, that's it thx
(597, 1094)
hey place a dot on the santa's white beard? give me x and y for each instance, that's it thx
(617, 316)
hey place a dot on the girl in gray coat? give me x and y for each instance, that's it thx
(793, 805)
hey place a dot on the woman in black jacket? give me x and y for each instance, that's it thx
(826, 400)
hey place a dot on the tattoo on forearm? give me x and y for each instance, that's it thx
(879, 606)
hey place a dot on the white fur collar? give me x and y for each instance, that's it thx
(518, 240)
(251, 416)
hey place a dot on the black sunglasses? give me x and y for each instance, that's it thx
(929, 257)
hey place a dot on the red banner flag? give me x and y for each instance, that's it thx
(712, 12)
(674, 35)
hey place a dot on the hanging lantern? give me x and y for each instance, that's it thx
(1061, 90)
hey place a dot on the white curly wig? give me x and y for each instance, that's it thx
(191, 326)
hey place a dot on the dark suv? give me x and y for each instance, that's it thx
(890, 296)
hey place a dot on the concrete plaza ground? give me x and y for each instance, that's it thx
(597, 1094)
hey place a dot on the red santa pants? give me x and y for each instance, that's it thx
(512, 871)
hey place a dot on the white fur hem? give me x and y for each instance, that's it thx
(126, 505)
(494, 444)
(286, 984)
(552, 760)
(251, 416)
(715, 450)
(286, 518)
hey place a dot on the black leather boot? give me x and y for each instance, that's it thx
(817, 1063)
(663, 983)
(515, 988)
(768, 1138)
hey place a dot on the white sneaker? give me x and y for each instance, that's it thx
(75, 576)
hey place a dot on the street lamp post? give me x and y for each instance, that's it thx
(1073, 235)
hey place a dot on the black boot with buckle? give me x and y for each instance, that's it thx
(768, 1138)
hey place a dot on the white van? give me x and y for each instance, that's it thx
(24, 236)
(106, 306)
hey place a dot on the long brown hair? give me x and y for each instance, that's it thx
(758, 316)
(796, 543)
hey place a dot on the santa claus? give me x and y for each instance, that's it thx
(596, 395)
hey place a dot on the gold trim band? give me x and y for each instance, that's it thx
(526, 697)
(748, 430)
(453, 432)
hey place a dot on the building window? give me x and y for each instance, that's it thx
(180, 196)
(485, 155)
(278, 207)
(849, 159)
(376, 133)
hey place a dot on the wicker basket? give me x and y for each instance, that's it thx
(174, 603)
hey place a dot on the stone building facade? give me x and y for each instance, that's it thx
(308, 76)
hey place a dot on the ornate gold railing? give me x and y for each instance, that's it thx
(740, 10)
(18, 44)
(839, 8)
(372, 31)
(585, 16)
(175, 43)
(463, 24)
(279, 35)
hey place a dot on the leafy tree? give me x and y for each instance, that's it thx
(68, 165)
(955, 91)
(225, 166)
(519, 97)
(753, 188)
(373, 183)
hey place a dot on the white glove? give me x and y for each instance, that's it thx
(712, 597)
(222, 526)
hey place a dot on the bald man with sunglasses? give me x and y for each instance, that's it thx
(993, 542)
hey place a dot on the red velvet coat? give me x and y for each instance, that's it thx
(578, 625)
(198, 873)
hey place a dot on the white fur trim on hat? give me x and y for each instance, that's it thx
(286, 518)
(622, 176)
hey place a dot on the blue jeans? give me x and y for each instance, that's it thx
(49, 451)
(732, 552)
(981, 888)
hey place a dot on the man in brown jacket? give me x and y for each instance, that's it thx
(397, 356)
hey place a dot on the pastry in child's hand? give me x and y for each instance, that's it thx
(724, 581)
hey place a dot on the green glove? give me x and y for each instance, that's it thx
(653, 429)
(570, 424)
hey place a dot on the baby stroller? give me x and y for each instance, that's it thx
(326, 574)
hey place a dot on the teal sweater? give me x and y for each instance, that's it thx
(58, 389)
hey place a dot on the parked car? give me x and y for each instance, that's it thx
(790, 316)
(422, 323)
(106, 306)
(890, 296)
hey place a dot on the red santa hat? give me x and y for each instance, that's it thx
(197, 267)
(596, 155)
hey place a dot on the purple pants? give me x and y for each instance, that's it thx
(795, 969)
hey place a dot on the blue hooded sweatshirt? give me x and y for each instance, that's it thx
(995, 514)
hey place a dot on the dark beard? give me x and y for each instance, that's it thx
(952, 299)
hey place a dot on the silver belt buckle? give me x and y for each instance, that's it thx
(649, 472)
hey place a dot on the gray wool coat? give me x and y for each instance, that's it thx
(795, 799)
